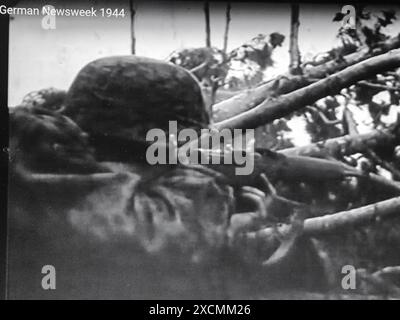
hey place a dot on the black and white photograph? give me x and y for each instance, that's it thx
(202, 150)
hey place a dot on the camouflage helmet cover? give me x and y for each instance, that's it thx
(124, 96)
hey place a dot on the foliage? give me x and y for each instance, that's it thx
(241, 68)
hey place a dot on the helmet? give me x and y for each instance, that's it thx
(122, 97)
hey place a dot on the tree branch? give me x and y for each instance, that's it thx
(340, 220)
(377, 86)
(227, 22)
(207, 22)
(133, 39)
(284, 84)
(294, 51)
(347, 145)
(270, 110)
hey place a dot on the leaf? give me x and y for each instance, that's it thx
(338, 16)
(276, 39)
(387, 18)
(389, 14)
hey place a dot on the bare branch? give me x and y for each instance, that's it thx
(347, 145)
(377, 86)
(250, 98)
(227, 22)
(133, 39)
(344, 219)
(288, 103)
(199, 67)
(323, 117)
(349, 123)
(295, 59)
(207, 17)
(392, 270)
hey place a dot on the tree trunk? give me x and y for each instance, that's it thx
(207, 17)
(295, 58)
(133, 39)
(227, 22)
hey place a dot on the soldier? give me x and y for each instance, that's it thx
(117, 100)
(127, 229)
(176, 209)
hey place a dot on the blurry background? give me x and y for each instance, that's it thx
(51, 58)
(42, 58)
